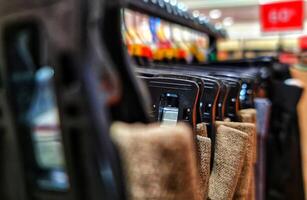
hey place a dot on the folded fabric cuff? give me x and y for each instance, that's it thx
(204, 155)
(158, 162)
(230, 151)
(242, 188)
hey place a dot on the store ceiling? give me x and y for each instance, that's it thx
(239, 14)
(244, 13)
(239, 10)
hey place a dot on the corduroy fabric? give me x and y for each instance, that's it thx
(204, 155)
(158, 162)
(243, 186)
(230, 151)
(201, 130)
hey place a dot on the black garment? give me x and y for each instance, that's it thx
(284, 166)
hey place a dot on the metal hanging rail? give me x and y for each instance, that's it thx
(172, 13)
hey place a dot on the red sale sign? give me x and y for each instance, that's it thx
(282, 16)
(303, 42)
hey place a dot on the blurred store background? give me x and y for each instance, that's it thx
(243, 22)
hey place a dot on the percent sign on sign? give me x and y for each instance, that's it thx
(282, 16)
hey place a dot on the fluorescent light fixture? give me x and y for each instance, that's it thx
(268, 1)
(215, 14)
(228, 21)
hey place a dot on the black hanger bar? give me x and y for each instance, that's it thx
(171, 13)
(259, 62)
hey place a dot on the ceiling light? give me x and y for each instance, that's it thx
(228, 21)
(215, 14)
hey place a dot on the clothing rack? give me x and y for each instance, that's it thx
(87, 70)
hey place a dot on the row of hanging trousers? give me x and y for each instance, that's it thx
(164, 163)
(79, 121)
(266, 99)
(285, 141)
(224, 142)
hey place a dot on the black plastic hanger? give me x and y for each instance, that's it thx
(233, 100)
(201, 85)
(174, 97)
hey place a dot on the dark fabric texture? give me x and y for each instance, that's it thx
(284, 166)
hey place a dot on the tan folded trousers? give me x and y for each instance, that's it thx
(250, 116)
(302, 114)
(204, 153)
(230, 151)
(158, 162)
(243, 188)
(204, 158)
